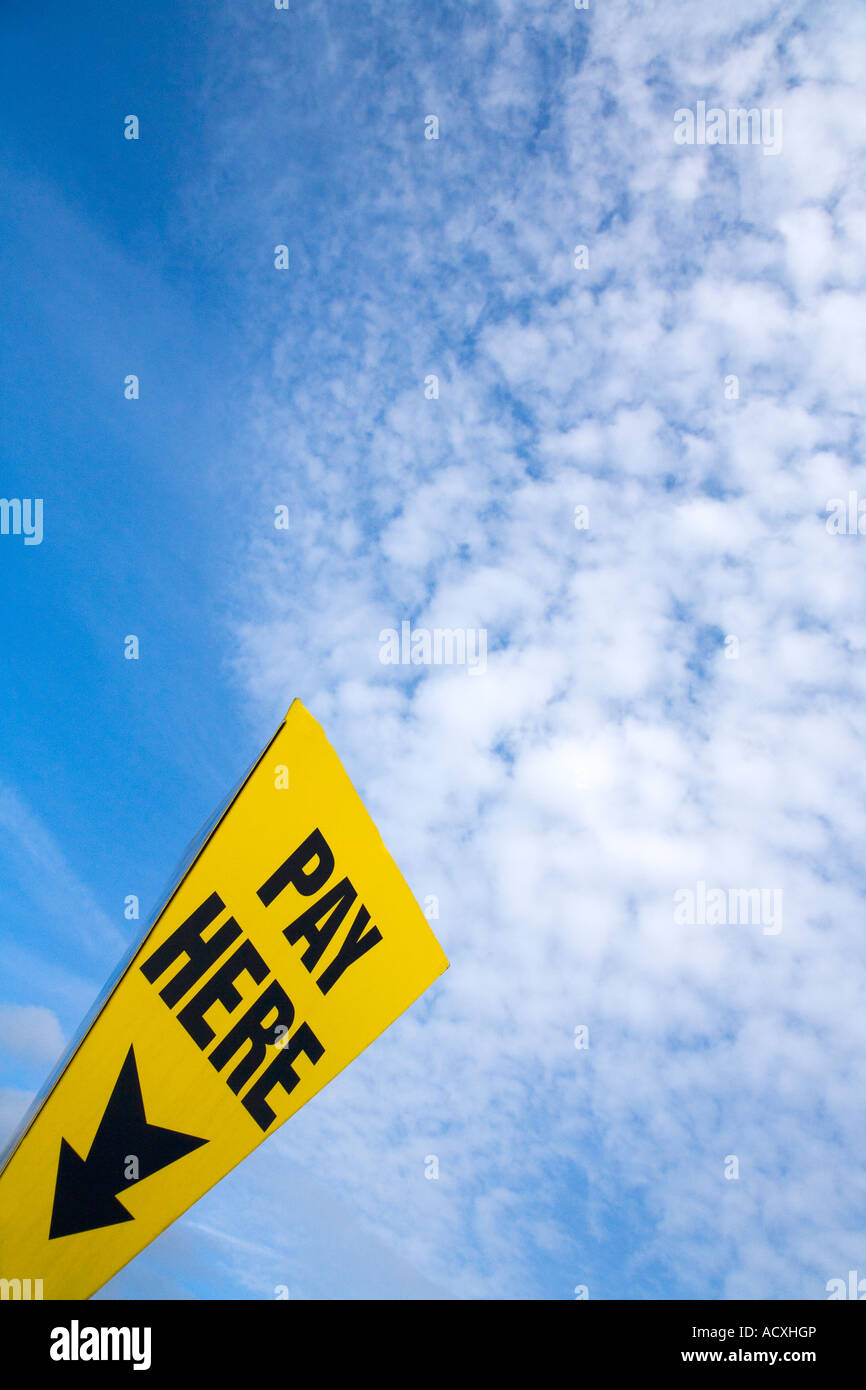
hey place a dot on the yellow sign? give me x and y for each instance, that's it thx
(289, 945)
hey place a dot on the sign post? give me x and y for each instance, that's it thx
(290, 943)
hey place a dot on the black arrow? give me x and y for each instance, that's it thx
(84, 1193)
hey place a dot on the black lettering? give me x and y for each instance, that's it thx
(294, 870)
(340, 898)
(251, 1029)
(356, 945)
(220, 989)
(187, 939)
(281, 1072)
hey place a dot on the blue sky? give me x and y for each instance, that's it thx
(611, 754)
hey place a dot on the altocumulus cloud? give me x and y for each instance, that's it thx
(617, 749)
(32, 1031)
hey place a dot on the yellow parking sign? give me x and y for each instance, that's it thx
(290, 944)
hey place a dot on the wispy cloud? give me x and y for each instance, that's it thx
(34, 860)
(617, 748)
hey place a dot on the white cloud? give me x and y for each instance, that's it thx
(612, 753)
(31, 1032)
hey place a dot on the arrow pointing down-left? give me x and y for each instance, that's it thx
(85, 1190)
